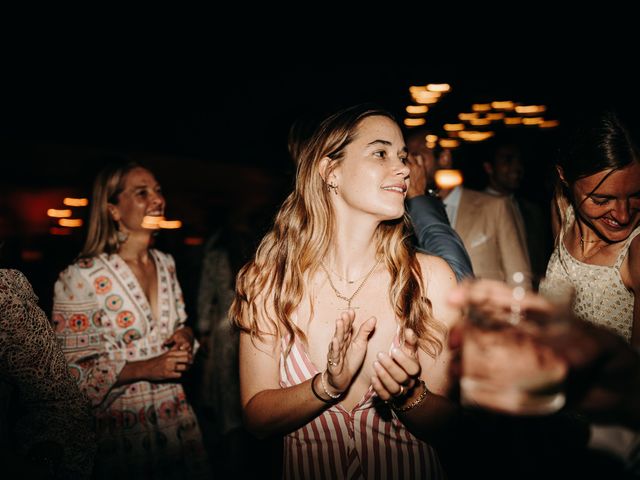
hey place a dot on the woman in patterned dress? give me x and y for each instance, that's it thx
(120, 319)
(339, 254)
(596, 225)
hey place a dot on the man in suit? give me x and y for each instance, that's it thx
(505, 171)
(485, 224)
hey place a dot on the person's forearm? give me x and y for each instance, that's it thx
(131, 373)
(284, 410)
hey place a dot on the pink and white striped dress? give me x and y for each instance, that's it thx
(368, 442)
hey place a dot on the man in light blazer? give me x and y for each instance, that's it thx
(488, 230)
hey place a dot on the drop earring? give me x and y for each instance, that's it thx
(332, 187)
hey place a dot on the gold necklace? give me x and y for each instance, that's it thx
(353, 295)
(583, 241)
(344, 279)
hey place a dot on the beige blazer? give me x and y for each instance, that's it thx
(489, 232)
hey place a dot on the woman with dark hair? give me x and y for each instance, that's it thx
(119, 315)
(343, 324)
(595, 224)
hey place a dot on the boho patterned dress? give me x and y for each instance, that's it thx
(103, 319)
(46, 416)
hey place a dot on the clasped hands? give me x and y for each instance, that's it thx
(396, 374)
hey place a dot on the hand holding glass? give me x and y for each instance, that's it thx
(504, 367)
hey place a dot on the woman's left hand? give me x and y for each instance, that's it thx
(397, 374)
(182, 339)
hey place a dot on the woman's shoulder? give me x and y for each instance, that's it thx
(434, 267)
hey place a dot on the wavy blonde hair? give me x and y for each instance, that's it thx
(102, 235)
(271, 286)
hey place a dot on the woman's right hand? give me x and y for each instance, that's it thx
(168, 366)
(347, 350)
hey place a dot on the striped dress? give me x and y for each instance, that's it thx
(368, 442)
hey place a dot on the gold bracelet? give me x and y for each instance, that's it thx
(413, 404)
(324, 387)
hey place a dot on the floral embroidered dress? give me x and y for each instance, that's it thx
(103, 319)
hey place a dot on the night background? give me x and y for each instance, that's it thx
(218, 141)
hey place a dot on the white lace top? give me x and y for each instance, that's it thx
(601, 296)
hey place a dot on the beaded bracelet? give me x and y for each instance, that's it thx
(324, 387)
(413, 404)
(313, 380)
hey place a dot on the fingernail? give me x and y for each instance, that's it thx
(394, 351)
(380, 355)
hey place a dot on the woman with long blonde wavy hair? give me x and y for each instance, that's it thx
(343, 323)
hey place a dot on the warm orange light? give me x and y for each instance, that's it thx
(170, 224)
(503, 105)
(417, 109)
(414, 122)
(55, 213)
(549, 124)
(193, 241)
(532, 121)
(439, 87)
(76, 202)
(431, 138)
(494, 116)
(59, 231)
(152, 222)
(481, 107)
(447, 179)
(531, 109)
(479, 121)
(70, 222)
(449, 143)
(512, 121)
(475, 136)
(465, 117)
(453, 127)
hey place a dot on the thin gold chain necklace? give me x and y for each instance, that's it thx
(583, 241)
(353, 295)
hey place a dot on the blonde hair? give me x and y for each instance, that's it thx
(273, 284)
(102, 236)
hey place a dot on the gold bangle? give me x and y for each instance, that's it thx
(413, 404)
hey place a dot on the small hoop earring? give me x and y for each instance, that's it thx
(121, 237)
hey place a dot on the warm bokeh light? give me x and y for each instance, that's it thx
(151, 222)
(170, 224)
(449, 143)
(60, 231)
(453, 127)
(475, 136)
(55, 213)
(439, 87)
(414, 122)
(549, 124)
(465, 117)
(70, 222)
(503, 105)
(532, 121)
(76, 202)
(481, 107)
(512, 121)
(494, 116)
(417, 109)
(431, 138)
(527, 109)
(479, 121)
(447, 179)
(193, 241)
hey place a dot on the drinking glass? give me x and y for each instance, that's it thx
(504, 367)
